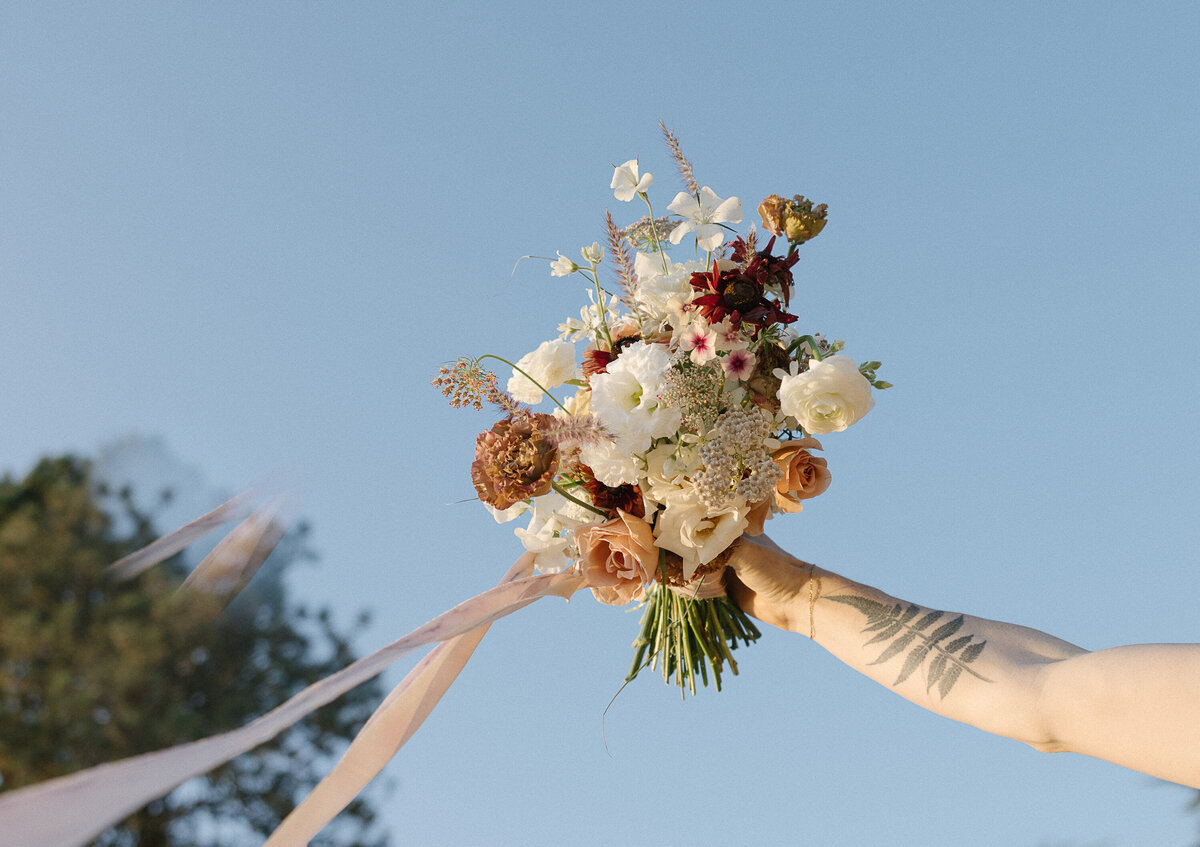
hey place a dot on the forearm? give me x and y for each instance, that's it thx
(982, 672)
(1137, 706)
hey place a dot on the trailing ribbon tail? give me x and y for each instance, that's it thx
(398, 717)
(72, 810)
(168, 545)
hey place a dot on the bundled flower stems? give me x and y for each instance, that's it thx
(687, 418)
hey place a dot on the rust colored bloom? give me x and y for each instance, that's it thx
(513, 462)
(618, 558)
(623, 498)
(804, 477)
(797, 219)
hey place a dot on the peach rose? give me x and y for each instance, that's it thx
(804, 477)
(618, 558)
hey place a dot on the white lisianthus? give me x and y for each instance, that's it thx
(627, 183)
(704, 212)
(562, 266)
(828, 397)
(625, 398)
(551, 364)
(697, 535)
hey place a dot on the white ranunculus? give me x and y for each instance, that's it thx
(665, 474)
(687, 528)
(828, 397)
(551, 364)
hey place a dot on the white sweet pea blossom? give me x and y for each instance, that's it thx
(551, 364)
(510, 514)
(703, 213)
(589, 321)
(626, 183)
(828, 397)
(553, 515)
(562, 266)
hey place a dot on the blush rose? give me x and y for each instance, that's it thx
(804, 477)
(618, 558)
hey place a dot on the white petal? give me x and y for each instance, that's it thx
(729, 211)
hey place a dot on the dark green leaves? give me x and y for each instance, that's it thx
(918, 639)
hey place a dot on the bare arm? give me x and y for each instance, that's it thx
(1137, 706)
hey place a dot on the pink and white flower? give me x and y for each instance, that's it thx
(738, 364)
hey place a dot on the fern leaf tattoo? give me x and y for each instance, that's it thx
(900, 627)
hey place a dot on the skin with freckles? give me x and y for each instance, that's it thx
(1137, 705)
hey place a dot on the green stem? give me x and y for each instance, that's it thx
(601, 311)
(812, 345)
(527, 376)
(577, 501)
(654, 232)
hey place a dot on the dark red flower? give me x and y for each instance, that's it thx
(627, 497)
(740, 293)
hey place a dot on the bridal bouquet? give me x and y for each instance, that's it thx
(686, 413)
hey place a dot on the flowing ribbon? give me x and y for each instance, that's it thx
(390, 727)
(74, 809)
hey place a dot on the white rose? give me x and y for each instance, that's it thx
(698, 536)
(828, 397)
(551, 364)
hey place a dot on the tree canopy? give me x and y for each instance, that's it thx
(93, 670)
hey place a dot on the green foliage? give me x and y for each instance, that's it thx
(900, 625)
(93, 670)
(867, 369)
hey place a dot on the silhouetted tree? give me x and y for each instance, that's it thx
(93, 670)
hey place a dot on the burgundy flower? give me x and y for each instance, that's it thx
(625, 498)
(740, 292)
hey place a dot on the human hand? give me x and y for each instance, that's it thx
(768, 583)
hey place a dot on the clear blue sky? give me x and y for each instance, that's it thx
(256, 230)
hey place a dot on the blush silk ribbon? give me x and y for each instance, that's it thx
(74, 809)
